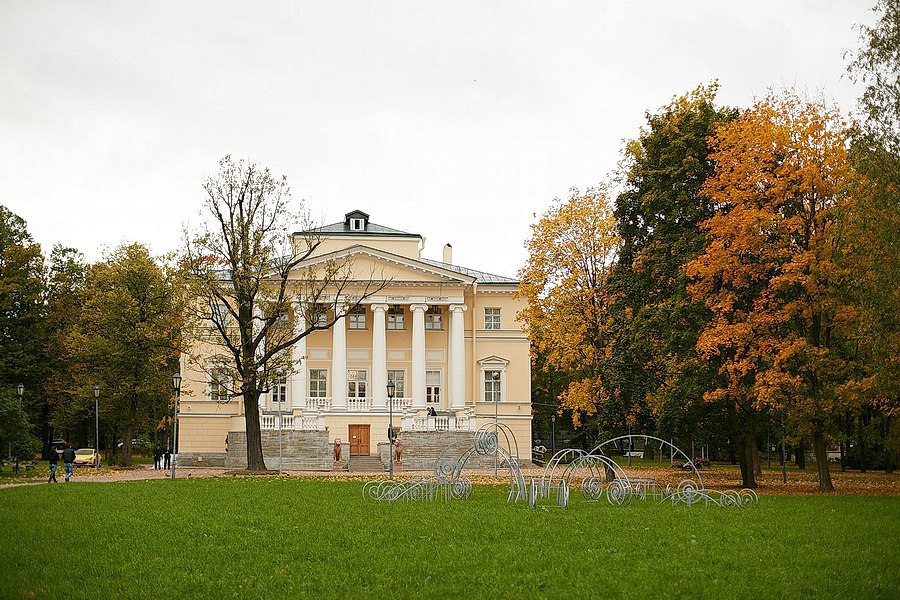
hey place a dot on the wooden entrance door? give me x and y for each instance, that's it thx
(359, 440)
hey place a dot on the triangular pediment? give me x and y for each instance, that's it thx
(493, 360)
(369, 263)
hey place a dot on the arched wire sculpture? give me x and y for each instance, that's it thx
(448, 482)
(599, 474)
(676, 451)
(596, 472)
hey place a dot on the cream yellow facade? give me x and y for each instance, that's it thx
(445, 335)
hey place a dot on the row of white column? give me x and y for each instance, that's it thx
(456, 367)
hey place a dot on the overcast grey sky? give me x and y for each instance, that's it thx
(456, 120)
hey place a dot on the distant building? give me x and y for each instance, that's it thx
(445, 335)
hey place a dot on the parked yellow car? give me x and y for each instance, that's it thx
(87, 457)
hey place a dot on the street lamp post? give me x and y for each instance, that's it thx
(391, 389)
(496, 377)
(20, 389)
(553, 434)
(176, 385)
(96, 425)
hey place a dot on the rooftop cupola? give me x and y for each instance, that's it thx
(356, 221)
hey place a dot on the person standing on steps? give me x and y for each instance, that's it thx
(68, 457)
(168, 456)
(54, 462)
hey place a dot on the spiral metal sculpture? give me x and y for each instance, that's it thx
(601, 476)
(448, 482)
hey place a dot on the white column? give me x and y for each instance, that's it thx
(339, 364)
(379, 357)
(418, 355)
(457, 377)
(298, 356)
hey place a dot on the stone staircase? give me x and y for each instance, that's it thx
(421, 450)
(300, 450)
(366, 464)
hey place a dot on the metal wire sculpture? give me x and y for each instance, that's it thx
(448, 482)
(599, 475)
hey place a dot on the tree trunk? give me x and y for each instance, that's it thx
(821, 453)
(757, 466)
(255, 461)
(745, 450)
(801, 455)
(126, 446)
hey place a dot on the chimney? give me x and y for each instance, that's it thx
(448, 254)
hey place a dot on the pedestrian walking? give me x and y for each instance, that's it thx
(157, 455)
(54, 462)
(168, 456)
(68, 457)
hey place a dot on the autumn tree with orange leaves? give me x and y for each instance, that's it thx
(769, 273)
(572, 251)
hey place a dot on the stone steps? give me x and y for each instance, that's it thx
(366, 464)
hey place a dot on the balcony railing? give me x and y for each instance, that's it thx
(359, 404)
(318, 403)
(314, 422)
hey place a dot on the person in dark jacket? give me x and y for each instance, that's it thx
(54, 462)
(168, 456)
(68, 457)
(157, 455)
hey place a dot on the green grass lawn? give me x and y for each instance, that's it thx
(264, 537)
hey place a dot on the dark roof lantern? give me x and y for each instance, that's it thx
(356, 220)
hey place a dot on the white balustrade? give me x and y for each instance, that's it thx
(359, 404)
(318, 403)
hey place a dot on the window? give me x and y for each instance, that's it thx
(217, 386)
(279, 390)
(398, 377)
(318, 315)
(357, 224)
(356, 383)
(492, 318)
(433, 318)
(433, 387)
(395, 318)
(219, 315)
(318, 383)
(492, 386)
(357, 317)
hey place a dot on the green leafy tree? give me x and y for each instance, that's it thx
(127, 339)
(65, 295)
(22, 317)
(873, 256)
(658, 216)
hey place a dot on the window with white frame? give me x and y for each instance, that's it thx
(433, 387)
(492, 389)
(433, 318)
(279, 390)
(318, 315)
(220, 315)
(398, 378)
(395, 317)
(356, 383)
(357, 224)
(218, 380)
(318, 383)
(356, 318)
(492, 318)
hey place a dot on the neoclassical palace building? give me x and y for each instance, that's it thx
(446, 336)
